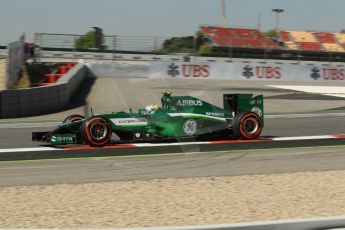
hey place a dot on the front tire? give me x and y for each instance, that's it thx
(96, 131)
(73, 118)
(247, 126)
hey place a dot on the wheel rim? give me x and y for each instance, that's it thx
(98, 131)
(250, 126)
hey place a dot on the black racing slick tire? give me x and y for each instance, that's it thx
(247, 126)
(73, 118)
(96, 131)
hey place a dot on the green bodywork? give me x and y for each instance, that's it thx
(179, 116)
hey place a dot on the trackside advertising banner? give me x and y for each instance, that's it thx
(247, 71)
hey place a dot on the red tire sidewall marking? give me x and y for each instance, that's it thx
(73, 119)
(88, 134)
(243, 133)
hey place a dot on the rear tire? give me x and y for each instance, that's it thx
(247, 126)
(73, 118)
(96, 131)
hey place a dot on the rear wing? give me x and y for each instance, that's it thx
(243, 103)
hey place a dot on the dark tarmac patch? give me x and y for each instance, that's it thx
(337, 108)
(305, 96)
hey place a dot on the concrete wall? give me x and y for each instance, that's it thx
(74, 78)
(41, 100)
(3, 74)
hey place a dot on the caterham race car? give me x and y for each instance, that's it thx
(178, 117)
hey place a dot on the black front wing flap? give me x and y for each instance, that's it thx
(41, 136)
(56, 137)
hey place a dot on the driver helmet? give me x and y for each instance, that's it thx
(151, 108)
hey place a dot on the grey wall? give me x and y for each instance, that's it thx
(41, 100)
(118, 69)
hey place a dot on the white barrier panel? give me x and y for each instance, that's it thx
(247, 71)
(3, 70)
(16, 60)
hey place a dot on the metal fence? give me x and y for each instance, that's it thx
(111, 43)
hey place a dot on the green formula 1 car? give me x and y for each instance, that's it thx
(178, 117)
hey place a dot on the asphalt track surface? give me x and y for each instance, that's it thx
(183, 161)
(191, 160)
(219, 163)
(19, 135)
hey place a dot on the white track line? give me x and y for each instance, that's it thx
(34, 149)
(304, 138)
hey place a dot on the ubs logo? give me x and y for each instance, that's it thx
(173, 70)
(315, 73)
(247, 72)
(188, 70)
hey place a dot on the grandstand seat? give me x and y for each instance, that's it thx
(291, 45)
(255, 43)
(228, 37)
(207, 30)
(287, 39)
(253, 38)
(259, 35)
(238, 37)
(305, 40)
(241, 33)
(327, 38)
(223, 32)
(341, 38)
(333, 47)
(329, 42)
(310, 46)
(234, 42)
(284, 36)
(294, 40)
(302, 36)
(219, 41)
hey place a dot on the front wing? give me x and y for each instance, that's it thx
(54, 138)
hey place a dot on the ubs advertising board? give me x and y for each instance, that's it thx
(247, 71)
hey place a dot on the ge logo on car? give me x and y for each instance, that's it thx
(190, 127)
